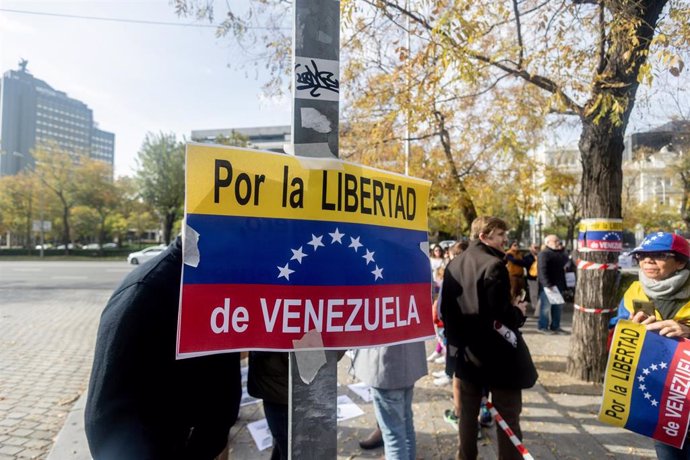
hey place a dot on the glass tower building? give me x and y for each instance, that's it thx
(33, 113)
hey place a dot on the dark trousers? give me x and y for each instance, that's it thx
(666, 452)
(507, 402)
(277, 419)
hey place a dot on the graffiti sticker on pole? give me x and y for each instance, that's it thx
(286, 245)
(647, 384)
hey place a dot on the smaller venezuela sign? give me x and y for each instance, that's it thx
(289, 245)
(647, 384)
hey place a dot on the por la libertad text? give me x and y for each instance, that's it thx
(353, 194)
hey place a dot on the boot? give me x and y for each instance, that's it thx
(373, 441)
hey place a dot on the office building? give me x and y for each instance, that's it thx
(33, 113)
(272, 138)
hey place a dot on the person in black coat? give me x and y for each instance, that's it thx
(482, 321)
(268, 380)
(142, 402)
(551, 274)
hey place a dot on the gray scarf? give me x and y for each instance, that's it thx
(675, 287)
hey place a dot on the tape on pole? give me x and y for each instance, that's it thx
(586, 265)
(596, 311)
(506, 429)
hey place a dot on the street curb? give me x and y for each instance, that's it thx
(71, 441)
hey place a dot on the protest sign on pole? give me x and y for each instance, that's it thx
(647, 383)
(277, 246)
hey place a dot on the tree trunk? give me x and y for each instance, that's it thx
(601, 150)
(168, 222)
(601, 147)
(65, 227)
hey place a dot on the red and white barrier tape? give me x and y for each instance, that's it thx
(586, 265)
(506, 429)
(597, 311)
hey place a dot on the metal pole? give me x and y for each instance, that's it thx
(407, 114)
(312, 423)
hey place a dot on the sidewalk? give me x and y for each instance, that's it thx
(559, 418)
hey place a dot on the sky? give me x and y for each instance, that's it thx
(137, 78)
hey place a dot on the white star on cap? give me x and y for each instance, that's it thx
(654, 402)
(297, 254)
(285, 271)
(369, 256)
(378, 273)
(640, 378)
(663, 365)
(642, 387)
(337, 236)
(653, 366)
(355, 244)
(316, 241)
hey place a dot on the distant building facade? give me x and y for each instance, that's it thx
(33, 113)
(650, 174)
(272, 138)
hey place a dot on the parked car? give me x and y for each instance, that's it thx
(70, 246)
(142, 256)
(626, 260)
(45, 246)
(445, 244)
(98, 246)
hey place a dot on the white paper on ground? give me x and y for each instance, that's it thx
(554, 295)
(261, 434)
(347, 409)
(362, 390)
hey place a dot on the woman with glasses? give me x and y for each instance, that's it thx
(661, 300)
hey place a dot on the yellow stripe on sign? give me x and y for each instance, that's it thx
(601, 225)
(250, 183)
(619, 381)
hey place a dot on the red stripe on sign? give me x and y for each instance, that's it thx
(227, 317)
(674, 410)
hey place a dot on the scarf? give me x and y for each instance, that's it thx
(675, 287)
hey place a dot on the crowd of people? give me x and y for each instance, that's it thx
(142, 403)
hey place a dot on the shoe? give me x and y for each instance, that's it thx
(440, 360)
(442, 381)
(432, 357)
(452, 419)
(559, 331)
(374, 441)
(438, 374)
(485, 417)
(544, 331)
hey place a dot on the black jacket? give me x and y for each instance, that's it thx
(476, 293)
(268, 376)
(551, 268)
(142, 403)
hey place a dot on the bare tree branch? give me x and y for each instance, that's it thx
(519, 33)
(602, 41)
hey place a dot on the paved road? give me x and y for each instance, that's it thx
(62, 274)
(48, 317)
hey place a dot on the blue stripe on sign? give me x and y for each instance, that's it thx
(250, 250)
(652, 368)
